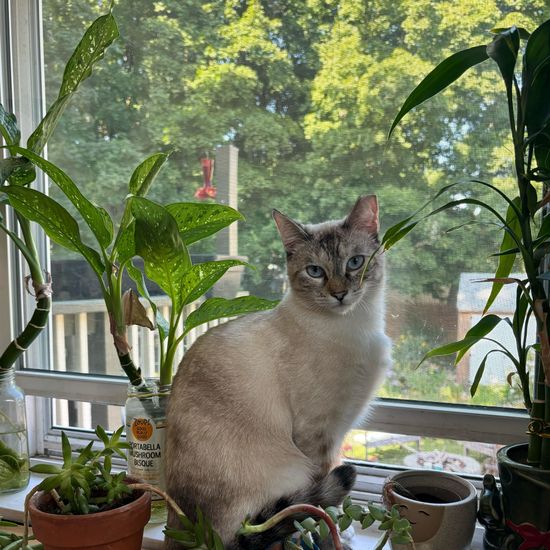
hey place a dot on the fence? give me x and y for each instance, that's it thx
(82, 343)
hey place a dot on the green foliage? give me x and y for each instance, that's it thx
(85, 484)
(197, 535)
(529, 114)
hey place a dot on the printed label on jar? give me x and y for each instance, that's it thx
(146, 453)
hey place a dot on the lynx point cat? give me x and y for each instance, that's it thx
(260, 405)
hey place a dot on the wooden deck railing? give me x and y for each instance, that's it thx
(82, 343)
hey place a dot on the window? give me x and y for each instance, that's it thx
(302, 95)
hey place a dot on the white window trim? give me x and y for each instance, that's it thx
(22, 19)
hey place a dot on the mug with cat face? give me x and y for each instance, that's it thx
(440, 506)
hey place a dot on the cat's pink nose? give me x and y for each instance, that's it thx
(339, 295)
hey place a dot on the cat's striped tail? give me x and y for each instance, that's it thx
(329, 491)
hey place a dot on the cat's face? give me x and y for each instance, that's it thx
(326, 262)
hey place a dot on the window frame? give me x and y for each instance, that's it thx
(21, 69)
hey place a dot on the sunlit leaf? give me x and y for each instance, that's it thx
(216, 308)
(58, 224)
(99, 36)
(481, 329)
(95, 217)
(444, 74)
(199, 220)
(505, 261)
(200, 278)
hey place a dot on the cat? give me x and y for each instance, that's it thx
(260, 405)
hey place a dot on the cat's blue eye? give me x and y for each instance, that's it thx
(355, 263)
(315, 271)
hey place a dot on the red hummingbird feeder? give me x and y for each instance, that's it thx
(207, 191)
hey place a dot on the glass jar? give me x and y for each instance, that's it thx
(146, 433)
(14, 447)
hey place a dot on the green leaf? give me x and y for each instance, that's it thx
(8, 128)
(158, 242)
(58, 224)
(536, 83)
(504, 50)
(444, 74)
(141, 180)
(344, 522)
(49, 483)
(333, 513)
(95, 217)
(45, 469)
(368, 520)
(17, 170)
(145, 173)
(99, 36)
(309, 524)
(216, 308)
(324, 530)
(385, 525)
(479, 375)
(483, 327)
(400, 524)
(38, 139)
(200, 278)
(505, 261)
(199, 220)
(125, 247)
(354, 511)
(102, 434)
(377, 512)
(66, 448)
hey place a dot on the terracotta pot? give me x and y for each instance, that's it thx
(443, 515)
(117, 529)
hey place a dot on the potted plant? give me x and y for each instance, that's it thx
(19, 172)
(84, 504)
(524, 469)
(440, 506)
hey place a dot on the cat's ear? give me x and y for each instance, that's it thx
(292, 233)
(364, 215)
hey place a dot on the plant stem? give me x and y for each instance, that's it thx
(307, 509)
(39, 319)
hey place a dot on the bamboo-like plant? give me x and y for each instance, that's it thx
(526, 231)
(18, 172)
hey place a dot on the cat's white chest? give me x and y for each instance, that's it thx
(334, 389)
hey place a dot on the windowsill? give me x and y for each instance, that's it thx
(12, 508)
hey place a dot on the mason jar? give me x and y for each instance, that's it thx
(145, 413)
(14, 447)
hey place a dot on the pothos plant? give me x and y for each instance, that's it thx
(523, 59)
(18, 172)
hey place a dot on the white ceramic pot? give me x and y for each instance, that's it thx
(443, 512)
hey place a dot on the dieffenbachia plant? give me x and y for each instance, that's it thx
(162, 235)
(158, 234)
(526, 231)
(17, 171)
